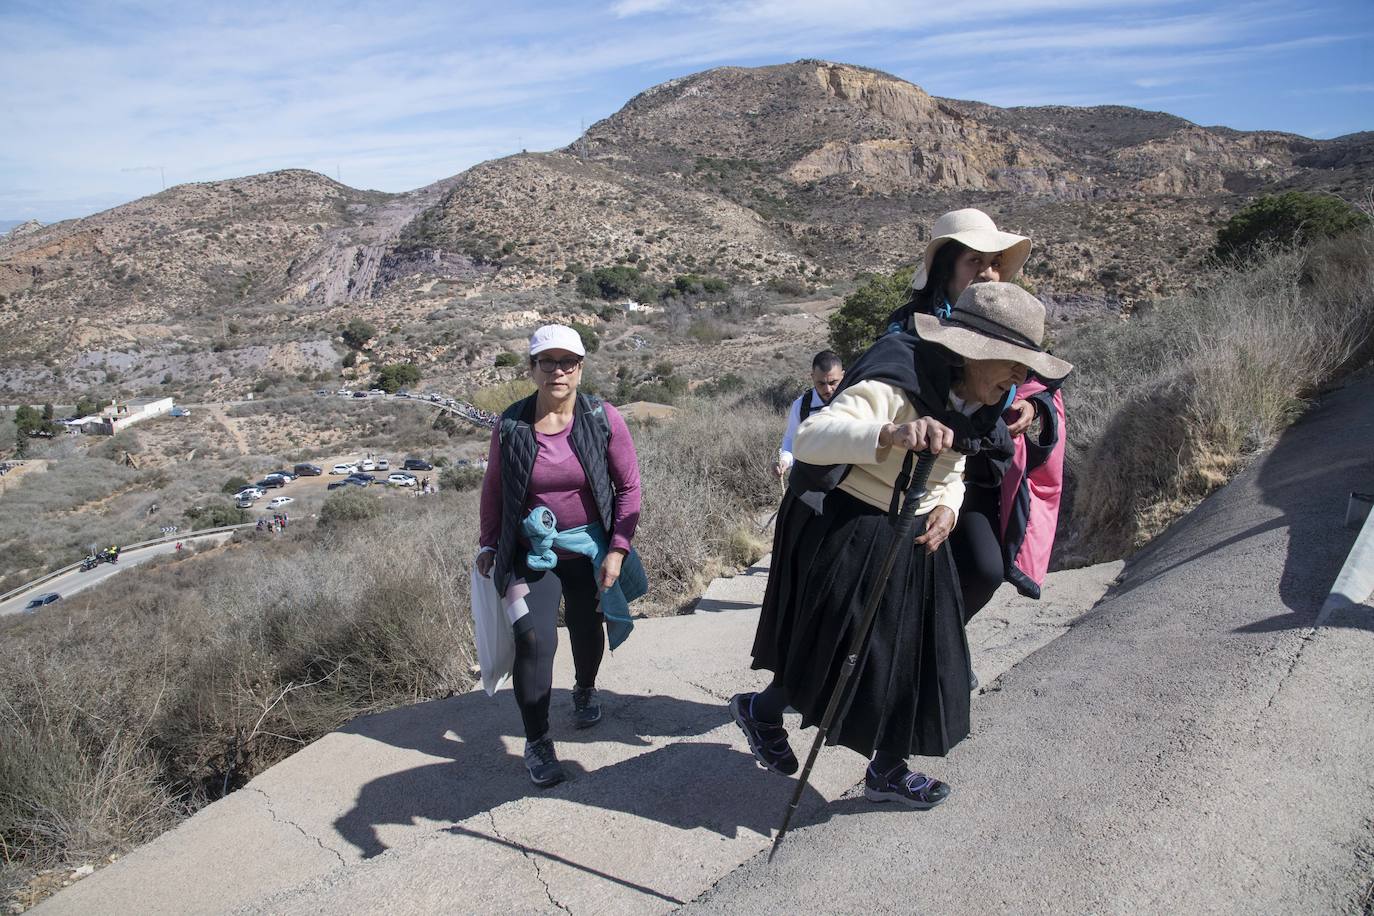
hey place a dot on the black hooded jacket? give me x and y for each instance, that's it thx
(924, 372)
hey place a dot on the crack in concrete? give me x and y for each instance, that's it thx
(1307, 638)
(724, 698)
(533, 859)
(271, 810)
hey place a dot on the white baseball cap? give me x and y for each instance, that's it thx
(556, 337)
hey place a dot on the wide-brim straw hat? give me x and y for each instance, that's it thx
(974, 229)
(995, 321)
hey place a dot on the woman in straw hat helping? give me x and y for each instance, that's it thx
(560, 496)
(910, 692)
(1011, 506)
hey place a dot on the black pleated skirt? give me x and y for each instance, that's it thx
(910, 692)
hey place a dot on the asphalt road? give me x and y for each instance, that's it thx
(1192, 745)
(70, 583)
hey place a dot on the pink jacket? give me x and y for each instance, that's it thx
(1031, 490)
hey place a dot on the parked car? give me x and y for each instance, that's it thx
(277, 502)
(403, 393)
(307, 470)
(180, 412)
(42, 601)
(360, 394)
(361, 478)
(270, 482)
(288, 476)
(250, 493)
(344, 469)
(383, 464)
(417, 464)
(374, 391)
(346, 482)
(367, 464)
(344, 393)
(401, 480)
(435, 396)
(244, 502)
(321, 392)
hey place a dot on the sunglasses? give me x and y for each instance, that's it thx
(567, 365)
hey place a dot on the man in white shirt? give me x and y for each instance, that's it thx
(826, 374)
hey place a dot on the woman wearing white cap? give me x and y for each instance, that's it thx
(1004, 533)
(560, 495)
(910, 692)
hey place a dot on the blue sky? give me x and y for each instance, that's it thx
(98, 100)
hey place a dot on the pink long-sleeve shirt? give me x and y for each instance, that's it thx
(559, 484)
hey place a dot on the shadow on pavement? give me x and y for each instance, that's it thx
(686, 785)
(1307, 477)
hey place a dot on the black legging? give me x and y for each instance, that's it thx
(976, 549)
(536, 640)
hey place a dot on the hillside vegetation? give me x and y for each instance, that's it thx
(122, 712)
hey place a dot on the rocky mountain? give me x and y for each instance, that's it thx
(809, 171)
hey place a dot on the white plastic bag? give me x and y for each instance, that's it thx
(492, 632)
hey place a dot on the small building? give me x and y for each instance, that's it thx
(123, 414)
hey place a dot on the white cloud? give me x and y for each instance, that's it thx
(626, 8)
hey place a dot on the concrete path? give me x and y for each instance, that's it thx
(428, 809)
(1193, 745)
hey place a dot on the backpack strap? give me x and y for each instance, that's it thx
(807, 408)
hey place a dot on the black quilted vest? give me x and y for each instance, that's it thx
(590, 437)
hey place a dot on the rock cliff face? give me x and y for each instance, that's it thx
(809, 171)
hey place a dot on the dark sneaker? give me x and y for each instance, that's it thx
(542, 762)
(766, 740)
(972, 681)
(916, 790)
(586, 710)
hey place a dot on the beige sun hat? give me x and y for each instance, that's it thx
(974, 229)
(995, 321)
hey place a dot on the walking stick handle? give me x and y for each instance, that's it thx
(915, 491)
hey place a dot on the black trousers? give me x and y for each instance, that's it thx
(536, 640)
(976, 549)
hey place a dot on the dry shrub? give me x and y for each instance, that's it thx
(496, 398)
(1166, 408)
(705, 476)
(128, 706)
(125, 708)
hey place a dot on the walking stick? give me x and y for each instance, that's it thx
(901, 540)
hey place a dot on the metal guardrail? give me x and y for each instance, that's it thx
(47, 577)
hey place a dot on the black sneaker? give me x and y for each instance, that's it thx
(767, 740)
(542, 762)
(915, 790)
(586, 710)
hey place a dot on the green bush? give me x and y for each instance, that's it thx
(460, 477)
(506, 360)
(349, 505)
(1282, 220)
(857, 323)
(215, 515)
(234, 484)
(358, 332)
(611, 283)
(591, 340)
(392, 377)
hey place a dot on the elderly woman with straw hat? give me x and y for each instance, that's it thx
(1011, 506)
(912, 391)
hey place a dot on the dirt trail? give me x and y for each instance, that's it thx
(230, 426)
(31, 466)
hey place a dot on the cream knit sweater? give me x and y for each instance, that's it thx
(847, 433)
